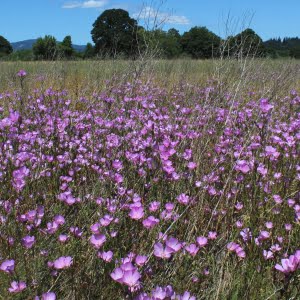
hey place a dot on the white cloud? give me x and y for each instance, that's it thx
(150, 14)
(71, 5)
(85, 4)
(93, 4)
(179, 20)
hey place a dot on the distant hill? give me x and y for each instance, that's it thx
(27, 44)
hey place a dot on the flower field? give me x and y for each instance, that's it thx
(138, 191)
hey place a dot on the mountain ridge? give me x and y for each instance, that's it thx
(27, 45)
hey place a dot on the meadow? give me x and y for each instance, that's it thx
(150, 180)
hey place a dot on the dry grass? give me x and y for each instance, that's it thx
(82, 77)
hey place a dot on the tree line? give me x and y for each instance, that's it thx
(116, 35)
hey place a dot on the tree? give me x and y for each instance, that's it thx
(171, 44)
(5, 46)
(39, 48)
(174, 33)
(89, 51)
(283, 48)
(199, 42)
(23, 55)
(45, 48)
(66, 48)
(167, 43)
(115, 33)
(295, 52)
(248, 43)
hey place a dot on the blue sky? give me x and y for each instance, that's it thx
(26, 19)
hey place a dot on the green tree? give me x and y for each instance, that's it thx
(199, 42)
(65, 47)
(171, 43)
(115, 33)
(45, 48)
(5, 46)
(23, 55)
(295, 52)
(174, 33)
(248, 43)
(89, 51)
(39, 49)
(168, 42)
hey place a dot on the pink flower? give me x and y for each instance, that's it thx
(246, 234)
(17, 287)
(277, 199)
(28, 241)
(234, 247)
(288, 227)
(52, 227)
(275, 248)
(150, 222)
(154, 206)
(8, 266)
(117, 275)
(187, 296)
(242, 166)
(67, 197)
(239, 206)
(160, 251)
(169, 206)
(263, 235)
(63, 238)
(173, 244)
(212, 235)
(106, 256)
(211, 190)
(239, 224)
(127, 264)
(136, 213)
(206, 271)
(127, 274)
(117, 164)
(118, 178)
(269, 225)
(106, 220)
(21, 73)
(192, 249)
(97, 240)
(290, 202)
(158, 294)
(192, 165)
(60, 220)
(262, 170)
(140, 260)
(289, 265)
(19, 176)
(268, 254)
(202, 241)
(183, 199)
(62, 262)
(240, 252)
(131, 278)
(187, 154)
(49, 296)
(272, 152)
(264, 105)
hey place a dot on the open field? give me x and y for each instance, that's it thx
(150, 180)
(83, 77)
